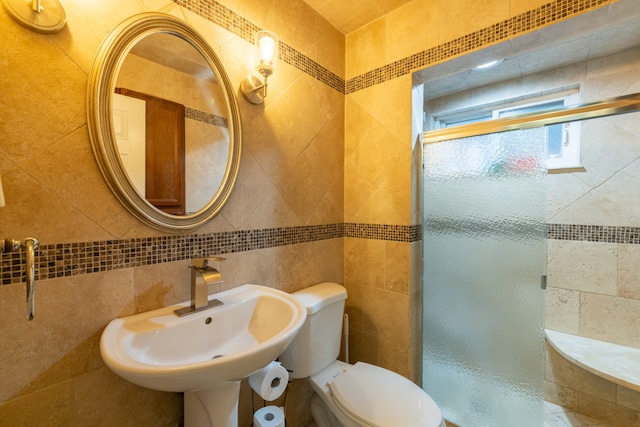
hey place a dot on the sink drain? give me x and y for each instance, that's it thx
(217, 356)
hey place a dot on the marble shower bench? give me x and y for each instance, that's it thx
(617, 363)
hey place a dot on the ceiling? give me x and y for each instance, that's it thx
(349, 15)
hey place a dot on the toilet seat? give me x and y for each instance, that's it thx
(377, 397)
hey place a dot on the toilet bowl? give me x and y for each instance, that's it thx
(359, 395)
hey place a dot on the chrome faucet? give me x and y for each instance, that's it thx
(202, 275)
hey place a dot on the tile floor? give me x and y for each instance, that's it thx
(557, 416)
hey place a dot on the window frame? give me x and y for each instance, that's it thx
(570, 157)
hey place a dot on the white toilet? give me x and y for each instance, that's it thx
(350, 395)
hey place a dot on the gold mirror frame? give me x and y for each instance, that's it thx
(101, 86)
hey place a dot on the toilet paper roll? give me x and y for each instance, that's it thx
(269, 416)
(270, 381)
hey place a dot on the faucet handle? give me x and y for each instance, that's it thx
(204, 262)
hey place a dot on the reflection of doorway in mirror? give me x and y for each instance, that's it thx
(168, 68)
(128, 125)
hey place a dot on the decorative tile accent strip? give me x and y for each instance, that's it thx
(293, 57)
(543, 15)
(71, 259)
(395, 233)
(208, 118)
(236, 24)
(575, 232)
(594, 233)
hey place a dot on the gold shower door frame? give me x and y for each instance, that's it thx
(607, 107)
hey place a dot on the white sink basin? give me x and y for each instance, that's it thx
(162, 351)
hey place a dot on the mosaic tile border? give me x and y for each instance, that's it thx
(236, 24)
(546, 14)
(394, 233)
(543, 15)
(594, 233)
(208, 118)
(71, 259)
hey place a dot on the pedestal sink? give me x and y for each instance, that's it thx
(205, 354)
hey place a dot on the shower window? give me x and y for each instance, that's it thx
(563, 139)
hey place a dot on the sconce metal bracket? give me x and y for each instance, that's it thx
(250, 88)
(41, 16)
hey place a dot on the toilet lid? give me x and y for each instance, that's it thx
(380, 398)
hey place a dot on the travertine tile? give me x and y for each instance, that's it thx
(397, 267)
(628, 398)
(354, 305)
(363, 262)
(610, 319)
(87, 25)
(564, 396)
(363, 347)
(393, 357)
(302, 35)
(457, 19)
(406, 35)
(583, 266)
(63, 339)
(302, 265)
(261, 14)
(314, 171)
(329, 46)
(38, 78)
(516, 7)
(36, 408)
(67, 171)
(603, 409)
(366, 48)
(160, 285)
(115, 401)
(277, 137)
(564, 373)
(628, 273)
(386, 316)
(376, 101)
(562, 310)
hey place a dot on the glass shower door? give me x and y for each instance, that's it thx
(484, 258)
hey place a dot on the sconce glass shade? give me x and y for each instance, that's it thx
(266, 49)
(266, 62)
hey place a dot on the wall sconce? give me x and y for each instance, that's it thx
(266, 60)
(42, 16)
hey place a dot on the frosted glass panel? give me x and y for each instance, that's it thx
(484, 255)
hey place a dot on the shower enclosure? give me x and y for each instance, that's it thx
(484, 253)
(484, 257)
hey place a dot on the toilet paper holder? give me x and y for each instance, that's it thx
(270, 382)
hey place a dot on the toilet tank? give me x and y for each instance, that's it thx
(317, 344)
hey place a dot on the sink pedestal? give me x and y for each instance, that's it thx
(213, 407)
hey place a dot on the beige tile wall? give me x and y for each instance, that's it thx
(380, 183)
(51, 370)
(55, 192)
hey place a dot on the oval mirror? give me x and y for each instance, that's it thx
(164, 122)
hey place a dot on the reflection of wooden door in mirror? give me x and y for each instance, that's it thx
(165, 153)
